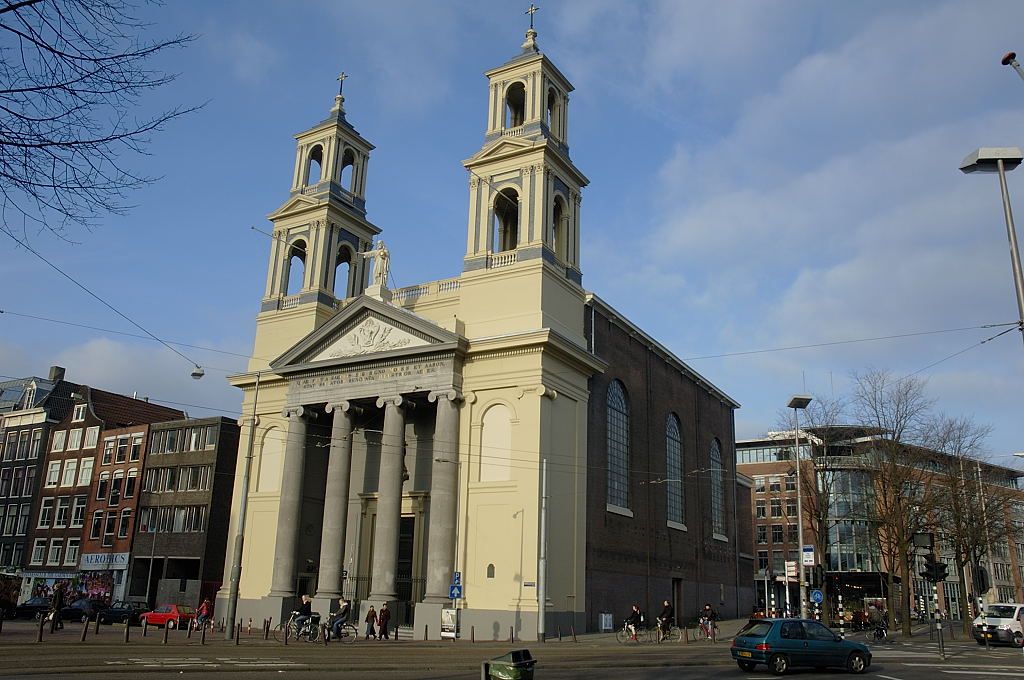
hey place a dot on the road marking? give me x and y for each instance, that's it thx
(887, 677)
(1009, 675)
(198, 662)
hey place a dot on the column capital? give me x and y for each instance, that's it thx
(396, 400)
(295, 411)
(450, 395)
(345, 406)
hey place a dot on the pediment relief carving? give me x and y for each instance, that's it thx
(369, 336)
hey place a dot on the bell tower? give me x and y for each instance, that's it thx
(317, 236)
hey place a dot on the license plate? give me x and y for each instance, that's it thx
(746, 654)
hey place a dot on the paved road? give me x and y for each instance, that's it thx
(595, 656)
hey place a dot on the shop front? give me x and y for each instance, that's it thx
(103, 575)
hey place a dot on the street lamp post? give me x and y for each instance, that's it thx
(999, 160)
(799, 402)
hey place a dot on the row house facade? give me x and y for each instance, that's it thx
(85, 477)
(184, 508)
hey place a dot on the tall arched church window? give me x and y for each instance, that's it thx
(676, 508)
(296, 267)
(559, 228)
(515, 105)
(348, 164)
(554, 113)
(342, 272)
(506, 220)
(268, 476)
(717, 489)
(618, 445)
(315, 165)
(496, 444)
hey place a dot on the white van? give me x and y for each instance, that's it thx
(1003, 622)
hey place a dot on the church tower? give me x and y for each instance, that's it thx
(524, 198)
(318, 236)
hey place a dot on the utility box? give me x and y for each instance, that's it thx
(605, 622)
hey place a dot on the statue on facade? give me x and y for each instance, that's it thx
(381, 263)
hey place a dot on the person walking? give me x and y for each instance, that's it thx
(370, 620)
(383, 617)
(57, 604)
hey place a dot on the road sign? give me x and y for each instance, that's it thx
(808, 553)
(817, 597)
(791, 569)
(457, 578)
(454, 592)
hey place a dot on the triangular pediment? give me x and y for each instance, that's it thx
(293, 204)
(503, 147)
(366, 330)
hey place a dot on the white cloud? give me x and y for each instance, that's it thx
(249, 57)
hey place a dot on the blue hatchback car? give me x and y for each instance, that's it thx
(784, 643)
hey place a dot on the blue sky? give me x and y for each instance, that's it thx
(763, 174)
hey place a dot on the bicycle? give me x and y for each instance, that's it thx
(624, 635)
(674, 634)
(311, 630)
(709, 629)
(348, 633)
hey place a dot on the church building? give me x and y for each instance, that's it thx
(501, 442)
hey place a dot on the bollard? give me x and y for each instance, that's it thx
(842, 618)
(396, 634)
(472, 633)
(238, 632)
(572, 629)
(145, 627)
(42, 622)
(511, 634)
(249, 632)
(167, 630)
(191, 625)
(97, 631)
(426, 633)
(202, 635)
(559, 633)
(287, 629)
(266, 629)
(127, 628)
(1, 623)
(85, 629)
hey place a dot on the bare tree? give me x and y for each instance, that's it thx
(899, 410)
(72, 72)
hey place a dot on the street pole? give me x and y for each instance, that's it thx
(799, 518)
(236, 558)
(542, 563)
(1011, 234)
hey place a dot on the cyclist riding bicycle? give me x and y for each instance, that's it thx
(634, 621)
(708, 617)
(304, 612)
(666, 619)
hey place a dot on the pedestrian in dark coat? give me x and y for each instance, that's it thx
(371, 619)
(383, 617)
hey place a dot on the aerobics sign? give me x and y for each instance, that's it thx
(104, 561)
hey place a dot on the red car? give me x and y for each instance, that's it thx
(170, 615)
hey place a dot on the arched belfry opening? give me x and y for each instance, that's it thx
(506, 220)
(347, 172)
(296, 273)
(515, 105)
(342, 286)
(553, 113)
(559, 228)
(314, 165)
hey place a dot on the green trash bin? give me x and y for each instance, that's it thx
(516, 665)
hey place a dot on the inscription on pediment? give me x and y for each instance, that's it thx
(369, 337)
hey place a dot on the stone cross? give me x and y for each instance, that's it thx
(533, 10)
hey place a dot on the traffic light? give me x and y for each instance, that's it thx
(930, 568)
(981, 580)
(941, 571)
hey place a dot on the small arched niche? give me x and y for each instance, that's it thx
(496, 444)
(515, 105)
(490, 571)
(553, 112)
(347, 173)
(559, 228)
(342, 273)
(268, 476)
(506, 220)
(296, 267)
(314, 166)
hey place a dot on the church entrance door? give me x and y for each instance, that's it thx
(410, 590)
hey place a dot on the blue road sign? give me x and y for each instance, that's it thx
(454, 592)
(457, 578)
(817, 597)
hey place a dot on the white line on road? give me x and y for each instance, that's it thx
(987, 673)
(887, 677)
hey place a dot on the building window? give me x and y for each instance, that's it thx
(115, 487)
(79, 414)
(45, 513)
(53, 474)
(758, 484)
(136, 450)
(78, 512)
(23, 445)
(674, 470)
(18, 487)
(618, 445)
(71, 555)
(75, 439)
(762, 560)
(56, 549)
(790, 507)
(23, 517)
(147, 520)
(102, 486)
(129, 483)
(108, 451)
(85, 471)
(778, 562)
(10, 446)
(189, 518)
(774, 485)
(30, 482)
(172, 441)
(126, 520)
(776, 507)
(70, 472)
(38, 551)
(58, 441)
(760, 510)
(109, 525)
(194, 478)
(762, 534)
(777, 533)
(5, 482)
(793, 535)
(97, 525)
(791, 482)
(122, 450)
(717, 490)
(63, 508)
(92, 435)
(35, 448)
(10, 519)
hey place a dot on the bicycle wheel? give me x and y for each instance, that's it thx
(349, 633)
(279, 630)
(623, 636)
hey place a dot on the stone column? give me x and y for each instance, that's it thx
(444, 489)
(332, 540)
(290, 506)
(389, 499)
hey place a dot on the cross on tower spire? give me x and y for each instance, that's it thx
(341, 81)
(533, 10)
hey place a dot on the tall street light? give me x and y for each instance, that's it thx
(798, 403)
(999, 160)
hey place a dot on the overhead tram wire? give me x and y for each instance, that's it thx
(197, 367)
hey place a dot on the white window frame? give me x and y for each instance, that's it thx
(45, 512)
(78, 518)
(56, 545)
(38, 551)
(92, 436)
(64, 501)
(36, 446)
(58, 441)
(74, 439)
(69, 476)
(85, 471)
(71, 551)
(79, 413)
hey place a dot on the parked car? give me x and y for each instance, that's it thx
(32, 608)
(7, 608)
(83, 610)
(782, 644)
(122, 611)
(1003, 622)
(170, 615)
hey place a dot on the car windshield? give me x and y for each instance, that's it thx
(755, 629)
(1001, 611)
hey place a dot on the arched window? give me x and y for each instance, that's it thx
(315, 165)
(717, 489)
(676, 509)
(515, 105)
(342, 271)
(268, 477)
(554, 113)
(506, 220)
(490, 571)
(496, 444)
(559, 228)
(618, 446)
(347, 172)
(296, 273)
